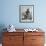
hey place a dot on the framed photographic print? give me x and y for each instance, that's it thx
(26, 13)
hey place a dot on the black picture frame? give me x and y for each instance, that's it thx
(26, 13)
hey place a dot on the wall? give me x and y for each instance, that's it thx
(9, 13)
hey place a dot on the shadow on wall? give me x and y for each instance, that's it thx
(2, 26)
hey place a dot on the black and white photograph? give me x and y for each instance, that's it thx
(26, 13)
